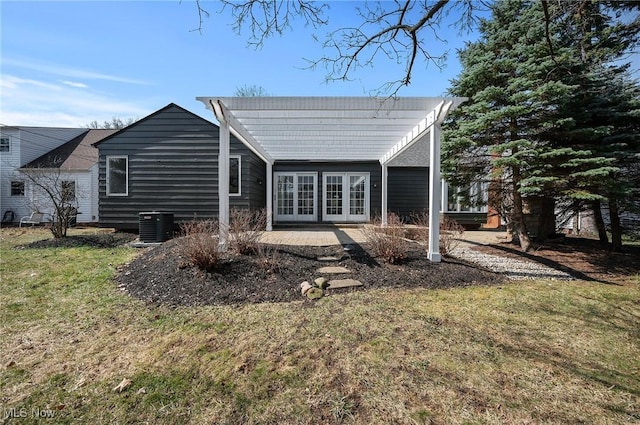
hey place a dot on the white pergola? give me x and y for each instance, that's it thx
(343, 129)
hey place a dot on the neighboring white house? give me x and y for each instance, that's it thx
(61, 154)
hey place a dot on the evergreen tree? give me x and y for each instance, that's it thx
(549, 117)
(512, 99)
(604, 111)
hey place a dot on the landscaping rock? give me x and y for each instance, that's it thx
(321, 282)
(315, 293)
(305, 287)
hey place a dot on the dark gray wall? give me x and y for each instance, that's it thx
(173, 166)
(372, 167)
(408, 190)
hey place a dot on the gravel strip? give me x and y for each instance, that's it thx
(509, 267)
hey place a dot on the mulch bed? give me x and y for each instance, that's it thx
(159, 275)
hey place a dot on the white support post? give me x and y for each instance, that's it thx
(434, 194)
(223, 184)
(269, 196)
(384, 195)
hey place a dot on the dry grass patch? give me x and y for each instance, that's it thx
(537, 352)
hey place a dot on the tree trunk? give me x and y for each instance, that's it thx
(599, 221)
(616, 228)
(517, 218)
(519, 226)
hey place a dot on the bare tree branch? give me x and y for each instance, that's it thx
(395, 33)
(57, 193)
(266, 18)
(394, 30)
(201, 14)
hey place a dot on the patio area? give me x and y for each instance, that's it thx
(315, 236)
(339, 235)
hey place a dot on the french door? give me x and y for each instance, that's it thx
(346, 197)
(295, 196)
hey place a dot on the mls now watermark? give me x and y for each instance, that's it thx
(23, 412)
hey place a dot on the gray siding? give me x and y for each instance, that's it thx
(372, 167)
(173, 166)
(408, 190)
(255, 174)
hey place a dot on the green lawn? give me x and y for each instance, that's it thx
(526, 352)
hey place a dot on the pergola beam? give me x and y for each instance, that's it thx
(331, 129)
(431, 123)
(435, 188)
(230, 124)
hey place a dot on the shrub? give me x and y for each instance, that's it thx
(269, 258)
(200, 244)
(450, 231)
(387, 243)
(245, 229)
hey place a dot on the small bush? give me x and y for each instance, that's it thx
(387, 243)
(450, 231)
(269, 258)
(200, 244)
(245, 229)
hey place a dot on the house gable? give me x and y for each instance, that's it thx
(78, 154)
(172, 165)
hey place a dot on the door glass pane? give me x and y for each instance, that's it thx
(305, 195)
(285, 195)
(334, 195)
(356, 195)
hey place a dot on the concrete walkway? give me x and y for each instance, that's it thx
(483, 237)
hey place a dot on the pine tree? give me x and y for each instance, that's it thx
(506, 76)
(548, 116)
(603, 115)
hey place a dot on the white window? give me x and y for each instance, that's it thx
(464, 199)
(17, 188)
(117, 176)
(235, 175)
(5, 144)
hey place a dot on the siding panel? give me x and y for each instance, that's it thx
(173, 166)
(408, 190)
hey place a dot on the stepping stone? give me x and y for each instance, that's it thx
(344, 283)
(333, 270)
(328, 259)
